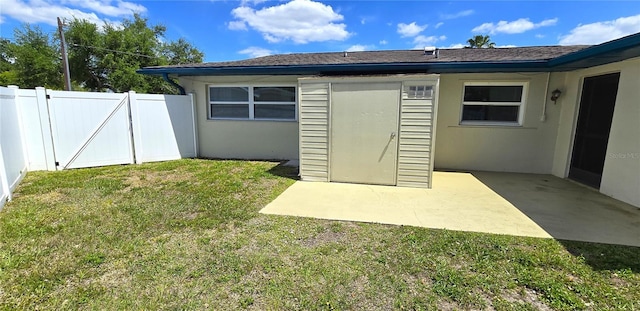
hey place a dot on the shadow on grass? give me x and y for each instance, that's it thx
(281, 170)
(605, 256)
(285, 171)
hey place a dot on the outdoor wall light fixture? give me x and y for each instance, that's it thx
(555, 95)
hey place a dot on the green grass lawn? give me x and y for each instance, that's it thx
(187, 235)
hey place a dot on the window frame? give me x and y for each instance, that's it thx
(521, 104)
(251, 103)
(409, 94)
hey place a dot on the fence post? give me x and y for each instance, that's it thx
(194, 118)
(23, 139)
(45, 128)
(5, 194)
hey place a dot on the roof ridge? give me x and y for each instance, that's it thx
(420, 50)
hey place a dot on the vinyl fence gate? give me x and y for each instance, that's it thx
(55, 130)
(97, 129)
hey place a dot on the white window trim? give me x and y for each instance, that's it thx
(521, 104)
(251, 101)
(406, 91)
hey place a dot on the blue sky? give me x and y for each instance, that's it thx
(230, 30)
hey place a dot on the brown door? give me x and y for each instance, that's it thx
(592, 131)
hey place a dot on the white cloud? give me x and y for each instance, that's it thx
(539, 36)
(455, 46)
(410, 30)
(120, 8)
(300, 21)
(360, 47)
(547, 22)
(368, 19)
(422, 41)
(237, 25)
(383, 42)
(438, 25)
(40, 11)
(249, 2)
(461, 46)
(457, 15)
(600, 32)
(518, 26)
(255, 51)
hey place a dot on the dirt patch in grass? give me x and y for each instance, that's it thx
(135, 181)
(155, 178)
(617, 281)
(526, 296)
(448, 305)
(115, 277)
(53, 197)
(322, 238)
(191, 216)
(236, 170)
(260, 184)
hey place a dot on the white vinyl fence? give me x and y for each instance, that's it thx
(13, 154)
(54, 130)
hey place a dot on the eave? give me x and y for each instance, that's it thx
(352, 69)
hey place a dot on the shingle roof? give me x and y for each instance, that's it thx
(519, 54)
(518, 59)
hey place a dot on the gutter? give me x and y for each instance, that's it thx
(165, 76)
(444, 67)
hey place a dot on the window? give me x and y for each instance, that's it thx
(419, 91)
(493, 103)
(229, 102)
(253, 102)
(274, 103)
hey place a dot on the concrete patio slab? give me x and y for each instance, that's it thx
(500, 203)
(567, 210)
(458, 201)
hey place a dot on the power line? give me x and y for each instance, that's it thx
(65, 59)
(114, 51)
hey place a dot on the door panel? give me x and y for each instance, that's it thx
(364, 127)
(592, 131)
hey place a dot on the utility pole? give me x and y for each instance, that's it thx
(65, 60)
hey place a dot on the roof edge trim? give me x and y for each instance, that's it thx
(359, 68)
(596, 50)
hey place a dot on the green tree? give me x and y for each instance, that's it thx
(101, 57)
(8, 74)
(36, 60)
(82, 37)
(181, 52)
(106, 57)
(480, 41)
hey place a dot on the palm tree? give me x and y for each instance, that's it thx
(480, 41)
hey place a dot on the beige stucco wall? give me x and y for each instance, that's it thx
(621, 174)
(528, 148)
(538, 146)
(241, 139)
